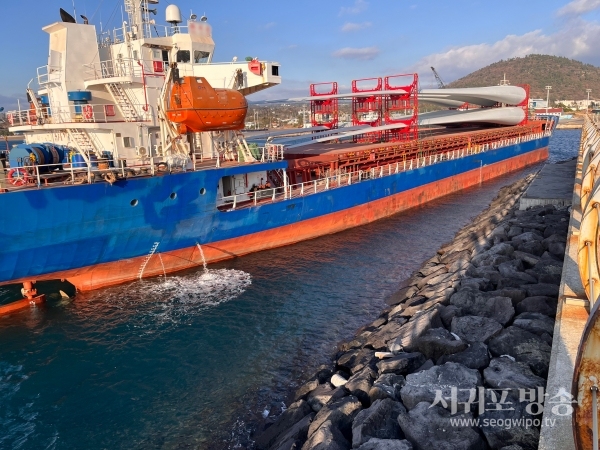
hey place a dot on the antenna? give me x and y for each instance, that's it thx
(74, 12)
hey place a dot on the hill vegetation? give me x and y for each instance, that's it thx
(569, 78)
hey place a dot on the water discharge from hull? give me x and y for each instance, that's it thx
(203, 258)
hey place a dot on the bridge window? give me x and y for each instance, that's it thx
(275, 71)
(183, 56)
(201, 57)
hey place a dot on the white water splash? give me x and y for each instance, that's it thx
(176, 300)
(208, 288)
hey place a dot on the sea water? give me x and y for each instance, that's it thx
(191, 361)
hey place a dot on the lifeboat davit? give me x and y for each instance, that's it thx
(196, 106)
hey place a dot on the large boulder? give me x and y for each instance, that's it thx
(386, 444)
(416, 327)
(402, 363)
(525, 347)
(503, 427)
(475, 357)
(423, 386)
(379, 339)
(360, 385)
(538, 304)
(504, 373)
(296, 436)
(475, 328)
(327, 437)
(472, 303)
(357, 359)
(319, 396)
(380, 421)
(514, 269)
(437, 342)
(533, 247)
(541, 289)
(387, 385)
(340, 413)
(291, 416)
(429, 427)
(535, 323)
(526, 237)
(527, 259)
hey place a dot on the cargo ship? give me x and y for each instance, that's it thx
(134, 163)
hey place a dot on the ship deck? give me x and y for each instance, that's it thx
(335, 148)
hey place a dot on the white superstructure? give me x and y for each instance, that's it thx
(125, 71)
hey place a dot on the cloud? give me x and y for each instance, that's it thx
(365, 53)
(358, 7)
(578, 7)
(567, 41)
(349, 26)
(269, 25)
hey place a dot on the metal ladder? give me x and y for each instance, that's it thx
(123, 102)
(83, 141)
(147, 259)
(243, 146)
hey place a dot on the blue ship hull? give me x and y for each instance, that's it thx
(52, 231)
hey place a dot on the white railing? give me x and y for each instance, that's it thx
(125, 67)
(48, 74)
(80, 172)
(91, 113)
(122, 34)
(31, 175)
(345, 179)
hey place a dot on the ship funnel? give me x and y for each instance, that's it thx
(173, 14)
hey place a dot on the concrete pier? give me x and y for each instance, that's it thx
(571, 317)
(553, 185)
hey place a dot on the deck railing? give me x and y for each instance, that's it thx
(38, 176)
(91, 113)
(287, 192)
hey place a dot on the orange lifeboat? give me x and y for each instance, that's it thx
(196, 106)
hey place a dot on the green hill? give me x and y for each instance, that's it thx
(569, 78)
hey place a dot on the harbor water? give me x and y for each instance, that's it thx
(192, 360)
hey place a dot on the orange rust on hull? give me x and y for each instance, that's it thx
(117, 272)
(21, 304)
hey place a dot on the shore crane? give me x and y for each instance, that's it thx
(440, 83)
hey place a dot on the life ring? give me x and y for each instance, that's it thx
(88, 112)
(162, 167)
(17, 176)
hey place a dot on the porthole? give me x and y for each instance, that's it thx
(134, 202)
(202, 191)
(173, 196)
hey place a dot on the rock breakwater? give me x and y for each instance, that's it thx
(463, 347)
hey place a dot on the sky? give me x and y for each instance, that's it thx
(334, 40)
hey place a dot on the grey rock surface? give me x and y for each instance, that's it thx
(503, 373)
(380, 421)
(525, 347)
(429, 428)
(475, 328)
(423, 386)
(475, 357)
